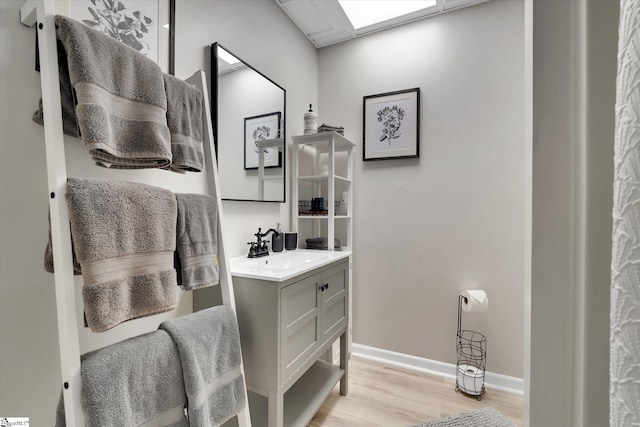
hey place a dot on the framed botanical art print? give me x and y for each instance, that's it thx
(144, 25)
(260, 128)
(391, 125)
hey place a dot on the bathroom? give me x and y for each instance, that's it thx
(458, 217)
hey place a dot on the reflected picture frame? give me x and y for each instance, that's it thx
(146, 25)
(391, 125)
(261, 127)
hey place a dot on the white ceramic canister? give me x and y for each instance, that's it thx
(310, 121)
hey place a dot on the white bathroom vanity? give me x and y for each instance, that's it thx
(292, 306)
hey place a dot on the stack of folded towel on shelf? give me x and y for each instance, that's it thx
(191, 362)
(329, 128)
(128, 113)
(322, 243)
(134, 244)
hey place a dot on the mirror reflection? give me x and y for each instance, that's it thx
(248, 129)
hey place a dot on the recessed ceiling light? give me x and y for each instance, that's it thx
(227, 57)
(362, 13)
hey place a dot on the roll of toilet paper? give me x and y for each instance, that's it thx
(475, 300)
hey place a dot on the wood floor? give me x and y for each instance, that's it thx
(385, 395)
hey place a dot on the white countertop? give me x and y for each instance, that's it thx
(281, 266)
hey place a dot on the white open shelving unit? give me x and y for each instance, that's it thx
(323, 168)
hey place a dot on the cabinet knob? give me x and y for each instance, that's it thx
(324, 287)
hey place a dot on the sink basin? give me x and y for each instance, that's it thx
(283, 265)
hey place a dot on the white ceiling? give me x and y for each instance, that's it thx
(325, 23)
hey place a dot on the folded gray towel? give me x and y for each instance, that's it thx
(209, 345)
(135, 382)
(196, 241)
(121, 101)
(184, 118)
(124, 235)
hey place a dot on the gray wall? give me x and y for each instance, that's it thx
(258, 31)
(261, 34)
(427, 228)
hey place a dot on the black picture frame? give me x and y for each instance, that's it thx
(261, 127)
(391, 125)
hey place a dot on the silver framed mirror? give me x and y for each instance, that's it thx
(248, 115)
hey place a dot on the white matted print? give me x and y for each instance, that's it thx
(260, 128)
(144, 25)
(391, 125)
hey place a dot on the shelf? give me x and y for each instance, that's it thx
(271, 143)
(321, 178)
(341, 143)
(313, 178)
(306, 396)
(323, 216)
(335, 185)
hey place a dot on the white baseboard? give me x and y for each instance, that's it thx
(433, 367)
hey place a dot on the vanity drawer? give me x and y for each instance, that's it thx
(335, 282)
(300, 323)
(334, 301)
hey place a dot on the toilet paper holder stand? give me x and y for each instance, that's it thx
(471, 348)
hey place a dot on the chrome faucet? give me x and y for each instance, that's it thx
(260, 247)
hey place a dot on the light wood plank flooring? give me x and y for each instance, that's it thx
(389, 396)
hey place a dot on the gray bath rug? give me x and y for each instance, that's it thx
(486, 417)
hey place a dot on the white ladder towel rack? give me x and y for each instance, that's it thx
(42, 14)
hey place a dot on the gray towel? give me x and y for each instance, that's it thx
(68, 103)
(196, 241)
(124, 235)
(48, 256)
(209, 345)
(135, 382)
(184, 118)
(121, 101)
(61, 420)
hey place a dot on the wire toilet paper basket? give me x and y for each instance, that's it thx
(471, 348)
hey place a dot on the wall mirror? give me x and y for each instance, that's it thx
(249, 129)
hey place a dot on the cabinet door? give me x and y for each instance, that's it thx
(300, 321)
(334, 293)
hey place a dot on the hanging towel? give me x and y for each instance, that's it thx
(209, 345)
(124, 235)
(196, 241)
(121, 102)
(184, 118)
(61, 420)
(67, 101)
(135, 382)
(48, 255)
